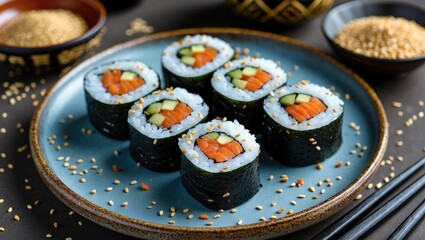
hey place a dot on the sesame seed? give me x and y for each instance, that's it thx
(396, 104)
(144, 186)
(392, 174)
(92, 192)
(209, 223)
(284, 178)
(378, 185)
(82, 180)
(111, 203)
(338, 178)
(259, 207)
(279, 190)
(226, 195)
(240, 222)
(311, 189)
(319, 166)
(233, 210)
(339, 164)
(16, 217)
(9, 210)
(399, 143)
(318, 148)
(190, 216)
(386, 179)
(160, 213)
(293, 203)
(126, 190)
(290, 211)
(301, 196)
(322, 191)
(262, 219)
(270, 177)
(171, 222)
(319, 183)
(358, 197)
(315, 197)
(370, 185)
(108, 189)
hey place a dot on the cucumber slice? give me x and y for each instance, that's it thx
(236, 73)
(239, 83)
(288, 100)
(197, 48)
(188, 60)
(213, 135)
(185, 52)
(224, 139)
(156, 119)
(302, 98)
(128, 76)
(169, 104)
(249, 71)
(154, 108)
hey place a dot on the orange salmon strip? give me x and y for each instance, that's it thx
(180, 112)
(304, 111)
(217, 152)
(111, 81)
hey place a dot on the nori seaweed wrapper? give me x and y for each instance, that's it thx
(108, 119)
(211, 189)
(249, 114)
(292, 147)
(162, 156)
(200, 84)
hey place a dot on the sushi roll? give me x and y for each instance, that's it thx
(190, 63)
(220, 164)
(241, 86)
(111, 89)
(302, 123)
(157, 121)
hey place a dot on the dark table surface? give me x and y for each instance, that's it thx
(23, 192)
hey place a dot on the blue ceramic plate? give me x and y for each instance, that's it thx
(73, 161)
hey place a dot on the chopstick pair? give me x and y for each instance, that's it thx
(336, 229)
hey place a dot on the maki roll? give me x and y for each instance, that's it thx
(157, 121)
(220, 164)
(190, 63)
(302, 123)
(241, 86)
(111, 89)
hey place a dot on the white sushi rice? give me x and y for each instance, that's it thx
(232, 129)
(171, 61)
(222, 83)
(93, 82)
(274, 109)
(138, 120)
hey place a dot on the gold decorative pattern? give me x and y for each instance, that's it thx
(16, 60)
(286, 12)
(70, 55)
(40, 60)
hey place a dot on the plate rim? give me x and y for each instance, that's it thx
(145, 229)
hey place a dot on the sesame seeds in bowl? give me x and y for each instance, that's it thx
(47, 35)
(377, 38)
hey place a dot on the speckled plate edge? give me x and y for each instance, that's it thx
(259, 230)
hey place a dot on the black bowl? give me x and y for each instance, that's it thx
(339, 16)
(45, 59)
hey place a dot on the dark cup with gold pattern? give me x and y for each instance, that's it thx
(26, 45)
(285, 12)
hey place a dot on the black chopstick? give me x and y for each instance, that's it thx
(377, 216)
(363, 208)
(403, 230)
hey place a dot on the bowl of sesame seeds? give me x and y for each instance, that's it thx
(378, 38)
(41, 36)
